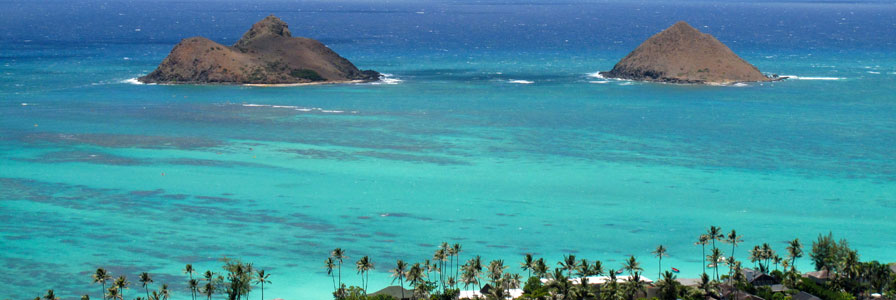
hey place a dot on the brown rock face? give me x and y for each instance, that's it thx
(682, 54)
(266, 54)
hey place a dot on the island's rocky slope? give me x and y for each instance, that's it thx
(682, 54)
(266, 54)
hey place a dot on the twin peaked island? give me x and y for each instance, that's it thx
(269, 54)
(266, 54)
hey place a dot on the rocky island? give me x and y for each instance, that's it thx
(266, 54)
(682, 54)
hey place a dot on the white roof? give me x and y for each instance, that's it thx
(514, 293)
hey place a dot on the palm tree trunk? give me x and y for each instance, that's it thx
(147, 291)
(262, 289)
(104, 290)
(704, 259)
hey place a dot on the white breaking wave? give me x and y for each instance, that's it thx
(598, 82)
(135, 81)
(520, 81)
(873, 72)
(596, 75)
(297, 108)
(387, 79)
(811, 78)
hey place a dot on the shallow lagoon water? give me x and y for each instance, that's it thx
(496, 138)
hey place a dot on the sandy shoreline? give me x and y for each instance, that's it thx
(301, 84)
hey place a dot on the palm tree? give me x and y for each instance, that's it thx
(598, 268)
(101, 276)
(121, 283)
(415, 276)
(584, 268)
(50, 295)
(704, 239)
(714, 233)
(145, 280)
(85, 297)
(541, 268)
(668, 286)
(631, 265)
(457, 249)
(439, 257)
(715, 257)
(194, 286)
(559, 284)
(262, 278)
(398, 273)
(659, 253)
(469, 276)
(767, 254)
(528, 264)
(338, 254)
(512, 281)
(164, 292)
(734, 240)
(188, 269)
(477, 267)
(364, 266)
(634, 286)
(569, 263)
(209, 290)
(496, 270)
(113, 292)
(329, 264)
(756, 255)
(794, 250)
(777, 260)
(706, 285)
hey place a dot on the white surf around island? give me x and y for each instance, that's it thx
(135, 81)
(299, 108)
(520, 81)
(795, 77)
(386, 78)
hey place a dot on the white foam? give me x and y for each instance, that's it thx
(24, 104)
(873, 72)
(598, 82)
(304, 109)
(132, 81)
(740, 84)
(387, 79)
(626, 83)
(810, 78)
(332, 111)
(518, 81)
(596, 75)
(255, 105)
(284, 106)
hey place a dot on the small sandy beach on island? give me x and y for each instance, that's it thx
(301, 83)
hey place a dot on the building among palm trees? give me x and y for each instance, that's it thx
(487, 290)
(757, 278)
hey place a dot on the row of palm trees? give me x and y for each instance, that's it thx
(449, 272)
(236, 285)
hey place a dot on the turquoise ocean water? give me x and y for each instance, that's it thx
(490, 133)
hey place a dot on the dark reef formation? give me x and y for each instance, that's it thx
(266, 54)
(682, 54)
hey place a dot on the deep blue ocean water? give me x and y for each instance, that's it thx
(491, 134)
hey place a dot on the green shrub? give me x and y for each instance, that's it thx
(306, 74)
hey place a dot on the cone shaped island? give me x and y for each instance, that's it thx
(683, 54)
(266, 54)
